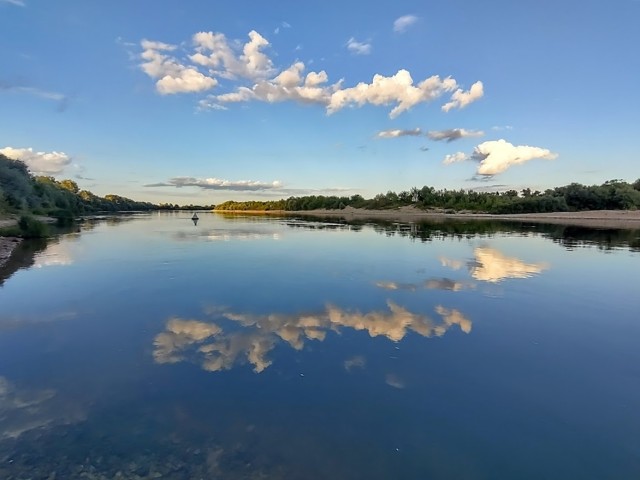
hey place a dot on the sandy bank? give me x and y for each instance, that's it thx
(7, 246)
(626, 219)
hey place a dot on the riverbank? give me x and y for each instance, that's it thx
(7, 246)
(625, 219)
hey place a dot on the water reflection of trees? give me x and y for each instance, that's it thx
(209, 344)
(22, 257)
(569, 236)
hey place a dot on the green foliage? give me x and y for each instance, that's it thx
(612, 195)
(32, 228)
(20, 192)
(43, 195)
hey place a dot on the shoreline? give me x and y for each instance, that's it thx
(7, 247)
(617, 219)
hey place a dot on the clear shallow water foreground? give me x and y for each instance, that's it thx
(259, 347)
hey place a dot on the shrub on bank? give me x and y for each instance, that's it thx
(32, 228)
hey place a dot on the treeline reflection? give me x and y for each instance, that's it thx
(207, 343)
(569, 236)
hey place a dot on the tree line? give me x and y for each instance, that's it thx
(611, 195)
(21, 192)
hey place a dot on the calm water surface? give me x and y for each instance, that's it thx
(260, 347)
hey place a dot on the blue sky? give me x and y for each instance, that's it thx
(191, 101)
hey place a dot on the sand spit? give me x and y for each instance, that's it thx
(624, 219)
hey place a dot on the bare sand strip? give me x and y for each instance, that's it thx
(7, 246)
(624, 219)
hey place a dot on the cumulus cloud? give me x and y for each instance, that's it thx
(397, 89)
(208, 345)
(401, 24)
(455, 158)
(253, 76)
(453, 134)
(172, 76)
(358, 48)
(461, 99)
(496, 156)
(39, 163)
(218, 184)
(399, 133)
(214, 51)
(289, 85)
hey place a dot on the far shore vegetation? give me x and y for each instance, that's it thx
(611, 195)
(26, 197)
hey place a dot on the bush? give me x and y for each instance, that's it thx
(64, 217)
(31, 228)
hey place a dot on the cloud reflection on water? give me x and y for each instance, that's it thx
(490, 265)
(431, 284)
(228, 234)
(22, 410)
(207, 344)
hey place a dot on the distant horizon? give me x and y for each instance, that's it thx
(205, 103)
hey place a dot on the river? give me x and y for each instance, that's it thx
(145, 346)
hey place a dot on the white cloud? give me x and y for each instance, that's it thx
(186, 81)
(496, 156)
(36, 92)
(218, 184)
(39, 163)
(397, 89)
(253, 77)
(214, 51)
(453, 134)
(455, 158)
(173, 77)
(358, 48)
(399, 133)
(401, 24)
(461, 99)
(288, 85)
(17, 3)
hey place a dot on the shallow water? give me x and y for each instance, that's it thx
(263, 347)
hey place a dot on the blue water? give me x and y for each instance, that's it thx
(265, 347)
